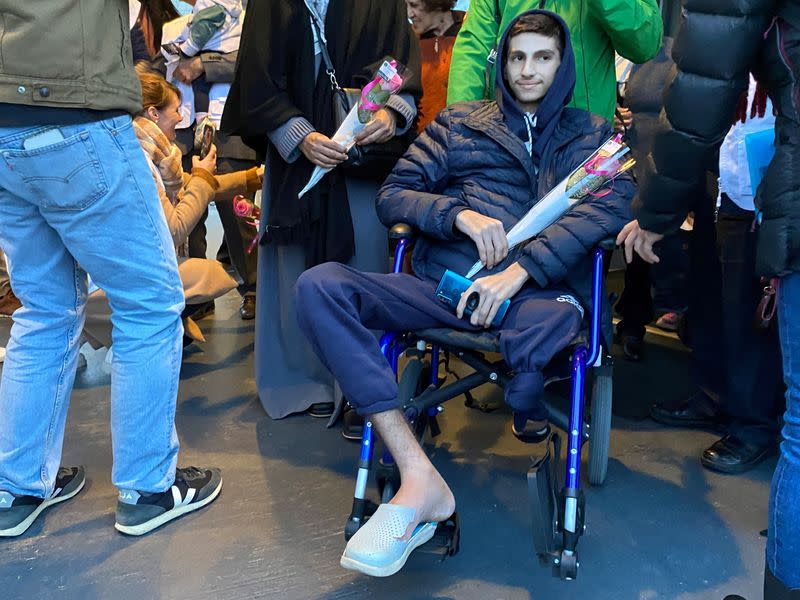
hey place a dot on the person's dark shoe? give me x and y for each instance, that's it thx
(321, 410)
(734, 597)
(689, 414)
(8, 304)
(775, 589)
(352, 426)
(17, 513)
(206, 309)
(734, 455)
(528, 430)
(632, 347)
(632, 342)
(247, 310)
(139, 513)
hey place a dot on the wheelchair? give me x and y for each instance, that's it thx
(558, 504)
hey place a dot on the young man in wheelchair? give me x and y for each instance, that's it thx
(473, 173)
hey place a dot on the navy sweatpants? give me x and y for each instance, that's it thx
(337, 306)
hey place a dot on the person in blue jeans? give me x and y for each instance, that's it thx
(783, 539)
(77, 197)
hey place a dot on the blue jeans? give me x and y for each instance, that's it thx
(87, 203)
(783, 542)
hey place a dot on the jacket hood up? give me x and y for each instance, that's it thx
(558, 96)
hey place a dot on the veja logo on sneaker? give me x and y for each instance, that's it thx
(571, 300)
(128, 496)
(176, 496)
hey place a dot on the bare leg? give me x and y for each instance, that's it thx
(421, 485)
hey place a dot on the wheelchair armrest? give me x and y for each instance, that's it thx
(608, 244)
(401, 231)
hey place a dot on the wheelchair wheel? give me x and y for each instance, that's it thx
(600, 432)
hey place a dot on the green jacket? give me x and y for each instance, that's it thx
(68, 54)
(598, 27)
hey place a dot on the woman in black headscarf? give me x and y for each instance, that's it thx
(281, 102)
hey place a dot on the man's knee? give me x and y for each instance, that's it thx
(315, 283)
(314, 290)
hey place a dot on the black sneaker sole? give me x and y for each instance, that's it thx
(168, 516)
(23, 526)
(318, 411)
(531, 438)
(353, 437)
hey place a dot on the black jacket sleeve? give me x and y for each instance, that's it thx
(714, 50)
(258, 101)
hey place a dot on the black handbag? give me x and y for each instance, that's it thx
(373, 161)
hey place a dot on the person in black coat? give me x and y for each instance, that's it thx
(472, 175)
(719, 44)
(281, 102)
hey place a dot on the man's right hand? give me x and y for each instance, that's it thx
(488, 235)
(209, 163)
(322, 150)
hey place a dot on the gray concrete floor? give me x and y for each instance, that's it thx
(661, 527)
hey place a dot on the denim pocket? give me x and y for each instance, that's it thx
(66, 175)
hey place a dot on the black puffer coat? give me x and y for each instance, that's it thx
(719, 43)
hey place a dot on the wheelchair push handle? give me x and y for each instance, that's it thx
(401, 231)
(607, 244)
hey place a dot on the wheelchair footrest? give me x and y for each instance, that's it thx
(542, 485)
(446, 542)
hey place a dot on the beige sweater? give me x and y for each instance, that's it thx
(200, 188)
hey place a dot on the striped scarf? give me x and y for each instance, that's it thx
(165, 155)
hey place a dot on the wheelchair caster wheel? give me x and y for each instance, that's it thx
(350, 529)
(388, 482)
(566, 565)
(362, 511)
(387, 492)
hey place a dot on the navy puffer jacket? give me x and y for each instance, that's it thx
(474, 156)
(469, 159)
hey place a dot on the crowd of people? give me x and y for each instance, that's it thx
(104, 150)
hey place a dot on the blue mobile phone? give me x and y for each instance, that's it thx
(453, 285)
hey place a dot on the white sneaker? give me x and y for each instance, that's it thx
(109, 356)
(2, 354)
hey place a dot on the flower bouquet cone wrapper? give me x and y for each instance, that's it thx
(388, 80)
(608, 162)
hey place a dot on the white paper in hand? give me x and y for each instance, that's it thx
(345, 135)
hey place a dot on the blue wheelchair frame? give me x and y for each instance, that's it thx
(560, 512)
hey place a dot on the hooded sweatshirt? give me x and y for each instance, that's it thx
(536, 129)
(633, 28)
